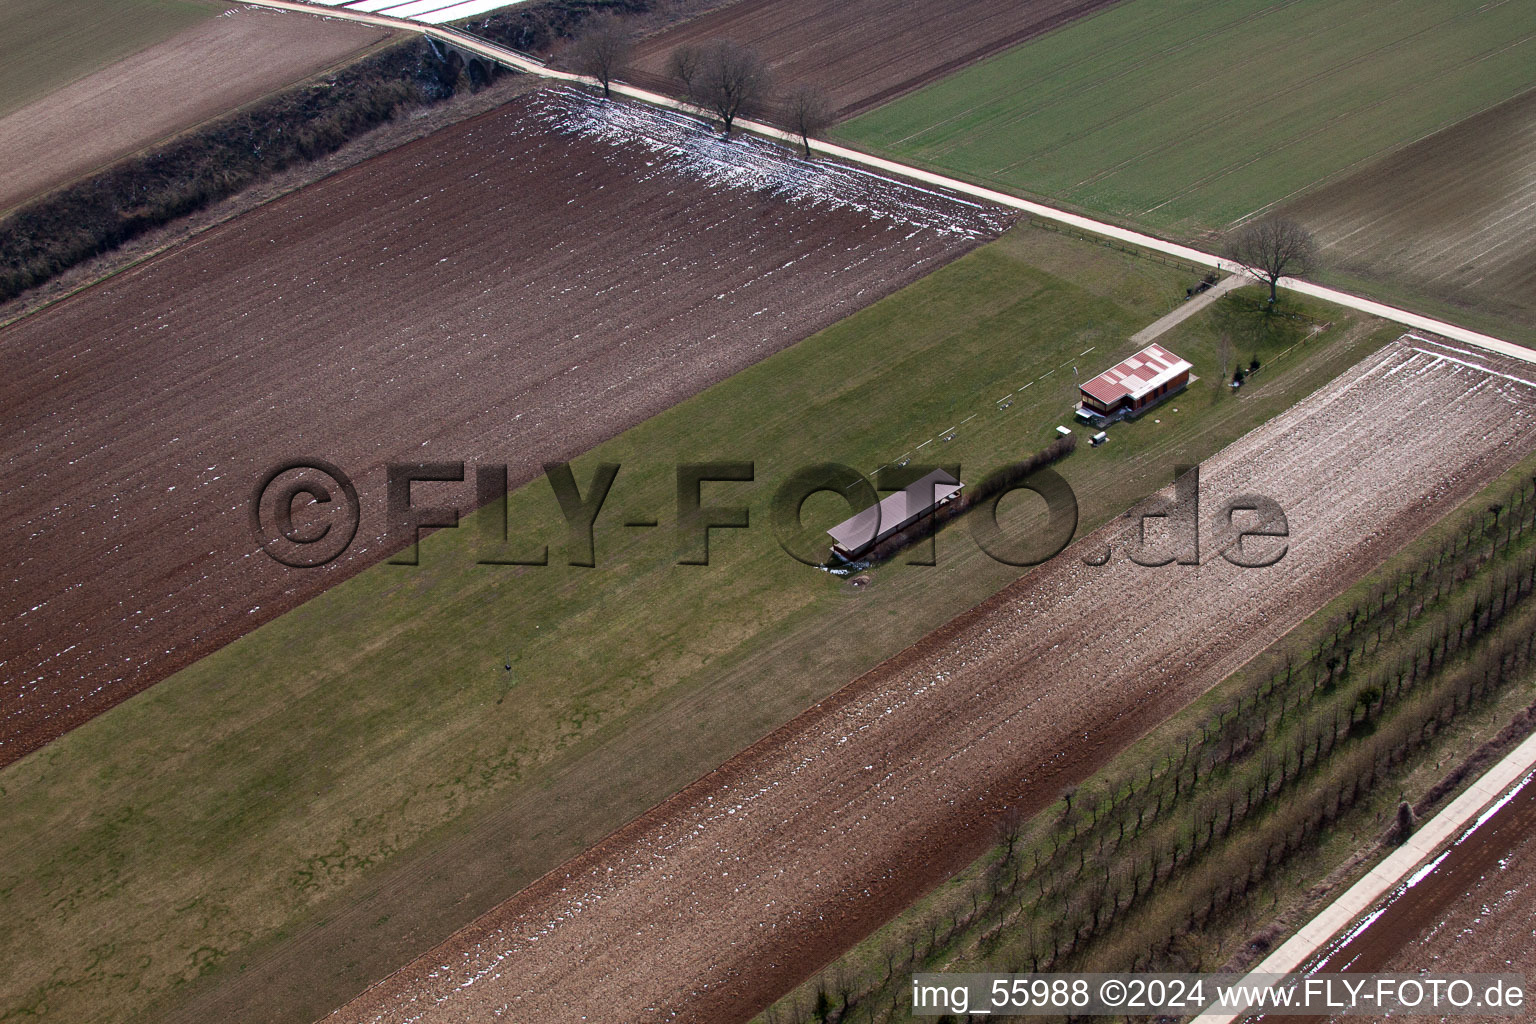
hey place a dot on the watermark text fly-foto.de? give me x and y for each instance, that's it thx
(1191, 995)
(306, 513)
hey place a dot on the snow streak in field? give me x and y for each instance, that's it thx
(750, 164)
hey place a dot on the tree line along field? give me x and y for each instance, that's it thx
(715, 902)
(567, 726)
(368, 774)
(1189, 115)
(323, 867)
(425, 284)
(135, 101)
(1204, 835)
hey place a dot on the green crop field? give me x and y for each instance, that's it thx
(1186, 115)
(45, 44)
(265, 832)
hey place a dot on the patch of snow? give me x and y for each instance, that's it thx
(748, 164)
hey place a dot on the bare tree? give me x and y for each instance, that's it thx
(730, 76)
(807, 112)
(684, 64)
(1272, 249)
(602, 51)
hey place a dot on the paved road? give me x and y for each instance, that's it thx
(428, 12)
(525, 63)
(1387, 875)
(1443, 826)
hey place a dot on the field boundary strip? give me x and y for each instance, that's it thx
(523, 62)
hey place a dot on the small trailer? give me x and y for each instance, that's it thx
(1098, 439)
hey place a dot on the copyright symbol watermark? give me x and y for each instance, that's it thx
(308, 534)
(305, 513)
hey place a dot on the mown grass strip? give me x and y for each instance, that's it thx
(335, 791)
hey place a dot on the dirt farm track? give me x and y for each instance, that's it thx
(515, 288)
(726, 896)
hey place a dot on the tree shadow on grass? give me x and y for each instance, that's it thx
(1255, 327)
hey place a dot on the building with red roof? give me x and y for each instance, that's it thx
(1137, 384)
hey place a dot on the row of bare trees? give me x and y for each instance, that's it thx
(1188, 835)
(724, 78)
(720, 77)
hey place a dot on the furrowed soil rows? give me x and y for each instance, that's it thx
(1453, 215)
(830, 44)
(1469, 911)
(199, 73)
(513, 289)
(724, 897)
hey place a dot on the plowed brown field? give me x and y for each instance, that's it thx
(1452, 216)
(515, 288)
(729, 894)
(1473, 912)
(863, 52)
(199, 73)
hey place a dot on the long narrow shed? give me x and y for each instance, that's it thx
(857, 534)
